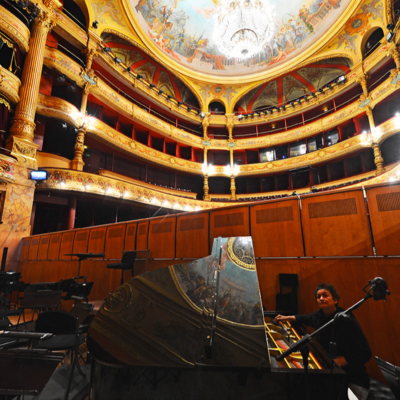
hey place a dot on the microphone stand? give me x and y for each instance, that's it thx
(379, 287)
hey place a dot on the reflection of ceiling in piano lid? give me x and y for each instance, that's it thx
(234, 37)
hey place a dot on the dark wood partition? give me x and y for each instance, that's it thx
(142, 235)
(384, 209)
(130, 236)
(97, 239)
(54, 247)
(276, 229)
(67, 244)
(229, 222)
(81, 241)
(115, 241)
(192, 236)
(43, 247)
(162, 237)
(336, 225)
(25, 249)
(33, 248)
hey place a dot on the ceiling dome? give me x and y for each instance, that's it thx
(187, 32)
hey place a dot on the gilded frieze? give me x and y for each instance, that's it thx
(71, 28)
(15, 29)
(91, 183)
(9, 85)
(387, 129)
(317, 157)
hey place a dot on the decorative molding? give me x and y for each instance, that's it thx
(9, 85)
(15, 28)
(69, 180)
(24, 152)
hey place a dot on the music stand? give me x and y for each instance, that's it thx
(84, 256)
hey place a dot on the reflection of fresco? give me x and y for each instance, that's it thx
(238, 294)
(294, 85)
(185, 31)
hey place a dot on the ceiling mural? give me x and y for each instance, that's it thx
(294, 85)
(151, 71)
(185, 31)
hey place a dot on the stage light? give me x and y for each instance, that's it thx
(202, 115)
(298, 101)
(292, 104)
(240, 117)
(107, 49)
(169, 97)
(282, 108)
(139, 76)
(160, 92)
(321, 90)
(117, 60)
(129, 69)
(189, 109)
(252, 115)
(342, 79)
(152, 85)
(180, 103)
(258, 113)
(246, 116)
(314, 189)
(95, 24)
(313, 94)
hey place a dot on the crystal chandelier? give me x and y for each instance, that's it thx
(243, 27)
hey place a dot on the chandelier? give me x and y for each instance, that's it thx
(243, 27)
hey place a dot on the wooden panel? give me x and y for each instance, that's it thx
(192, 236)
(384, 210)
(142, 235)
(25, 249)
(130, 237)
(229, 223)
(162, 237)
(336, 225)
(97, 239)
(81, 241)
(276, 229)
(43, 247)
(115, 241)
(33, 248)
(54, 246)
(67, 243)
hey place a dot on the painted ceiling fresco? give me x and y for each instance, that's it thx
(151, 71)
(294, 85)
(184, 30)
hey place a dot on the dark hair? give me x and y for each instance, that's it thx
(330, 288)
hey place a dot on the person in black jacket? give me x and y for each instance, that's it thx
(352, 347)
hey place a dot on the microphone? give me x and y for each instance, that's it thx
(379, 289)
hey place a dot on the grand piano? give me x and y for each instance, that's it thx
(197, 330)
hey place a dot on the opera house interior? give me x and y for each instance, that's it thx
(174, 174)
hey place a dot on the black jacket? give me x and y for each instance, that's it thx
(350, 342)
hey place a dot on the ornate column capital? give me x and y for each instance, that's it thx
(90, 53)
(362, 80)
(45, 22)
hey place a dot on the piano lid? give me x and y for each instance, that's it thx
(203, 312)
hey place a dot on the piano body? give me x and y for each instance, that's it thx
(197, 330)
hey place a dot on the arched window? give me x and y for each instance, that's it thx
(372, 42)
(215, 107)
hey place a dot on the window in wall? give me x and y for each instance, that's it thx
(267, 154)
(281, 152)
(315, 143)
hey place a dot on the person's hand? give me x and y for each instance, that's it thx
(283, 318)
(341, 361)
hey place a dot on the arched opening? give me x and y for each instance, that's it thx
(372, 42)
(215, 107)
(74, 12)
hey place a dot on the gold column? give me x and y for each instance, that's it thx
(394, 53)
(378, 159)
(20, 141)
(77, 162)
(362, 80)
(206, 188)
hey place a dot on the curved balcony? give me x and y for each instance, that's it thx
(15, 29)
(70, 180)
(54, 107)
(70, 29)
(9, 85)
(56, 59)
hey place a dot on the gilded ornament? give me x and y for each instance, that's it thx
(240, 251)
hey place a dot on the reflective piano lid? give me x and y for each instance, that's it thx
(203, 312)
